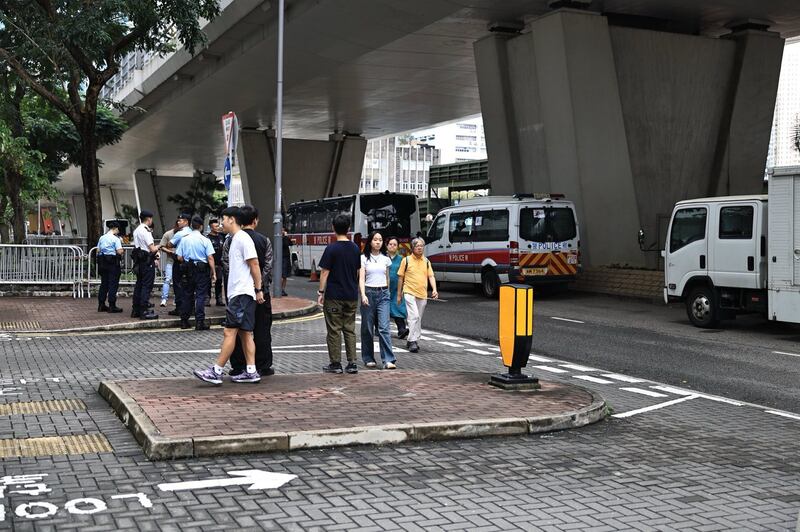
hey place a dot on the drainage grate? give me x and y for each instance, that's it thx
(41, 407)
(55, 445)
(19, 325)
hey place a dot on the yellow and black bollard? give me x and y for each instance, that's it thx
(516, 337)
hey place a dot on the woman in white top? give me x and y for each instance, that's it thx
(373, 281)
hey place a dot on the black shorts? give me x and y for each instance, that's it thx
(241, 313)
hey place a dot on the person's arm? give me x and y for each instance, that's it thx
(119, 249)
(211, 267)
(432, 279)
(268, 258)
(256, 273)
(401, 272)
(323, 282)
(362, 285)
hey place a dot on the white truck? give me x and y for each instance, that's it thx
(737, 254)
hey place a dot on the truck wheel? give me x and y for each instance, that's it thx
(701, 308)
(490, 284)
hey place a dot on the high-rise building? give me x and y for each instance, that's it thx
(398, 164)
(782, 151)
(457, 142)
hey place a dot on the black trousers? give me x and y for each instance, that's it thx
(217, 285)
(262, 336)
(108, 266)
(145, 277)
(196, 281)
(177, 283)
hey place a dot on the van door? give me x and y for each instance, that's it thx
(436, 246)
(459, 257)
(687, 247)
(734, 257)
(490, 242)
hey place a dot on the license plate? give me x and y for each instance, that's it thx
(534, 271)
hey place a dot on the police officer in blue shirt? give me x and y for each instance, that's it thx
(196, 255)
(109, 250)
(177, 272)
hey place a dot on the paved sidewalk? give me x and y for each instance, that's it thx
(62, 314)
(186, 417)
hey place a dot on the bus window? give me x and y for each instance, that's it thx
(547, 224)
(389, 213)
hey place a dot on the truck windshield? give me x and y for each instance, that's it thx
(389, 213)
(547, 224)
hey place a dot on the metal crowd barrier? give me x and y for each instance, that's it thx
(127, 277)
(59, 240)
(42, 265)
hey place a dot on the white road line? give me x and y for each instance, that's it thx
(550, 369)
(623, 378)
(178, 352)
(426, 338)
(566, 319)
(474, 343)
(592, 379)
(783, 414)
(538, 359)
(449, 344)
(447, 337)
(785, 353)
(644, 392)
(682, 391)
(655, 407)
(478, 351)
(576, 367)
(297, 346)
(290, 352)
(495, 348)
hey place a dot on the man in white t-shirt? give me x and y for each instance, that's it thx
(243, 291)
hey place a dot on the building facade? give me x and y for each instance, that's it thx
(398, 164)
(787, 111)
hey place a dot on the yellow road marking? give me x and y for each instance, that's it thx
(55, 445)
(41, 407)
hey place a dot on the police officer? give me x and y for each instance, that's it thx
(217, 239)
(196, 255)
(144, 254)
(109, 250)
(177, 272)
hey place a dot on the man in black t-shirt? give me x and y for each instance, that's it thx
(338, 295)
(262, 332)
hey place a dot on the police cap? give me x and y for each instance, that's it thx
(145, 214)
(185, 216)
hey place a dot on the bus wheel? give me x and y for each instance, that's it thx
(701, 307)
(490, 284)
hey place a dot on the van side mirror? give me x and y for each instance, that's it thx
(641, 238)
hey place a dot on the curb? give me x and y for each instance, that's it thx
(168, 323)
(159, 447)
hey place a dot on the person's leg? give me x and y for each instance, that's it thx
(367, 328)
(187, 282)
(249, 347)
(238, 364)
(225, 350)
(413, 318)
(135, 305)
(264, 346)
(102, 292)
(202, 283)
(401, 325)
(384, 333)
(177, 285)
(218, 286)
(349, 309)
(113, 284)
(167, 282)
(421, 304)
(149, 271)
(333, 324)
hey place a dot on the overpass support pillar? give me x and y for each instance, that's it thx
(626, 121)
(311, 169)
(152, 191)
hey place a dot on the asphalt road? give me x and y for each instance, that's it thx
(749, 359)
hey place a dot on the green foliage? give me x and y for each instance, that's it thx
(130, 213)
(205, 197)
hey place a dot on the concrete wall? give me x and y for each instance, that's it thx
(306, 170)
(152, 192)
(625, 121)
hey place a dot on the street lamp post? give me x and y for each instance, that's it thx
(277, 220)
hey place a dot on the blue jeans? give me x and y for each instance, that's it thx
(167, 281)
(376, 313)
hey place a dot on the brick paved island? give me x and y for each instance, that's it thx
(183, 417)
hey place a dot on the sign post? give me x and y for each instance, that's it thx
(277, 219)
(516, 337)
(230, 131)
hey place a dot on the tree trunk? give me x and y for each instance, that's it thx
(14, 187)
(5, 229)
(89, 169)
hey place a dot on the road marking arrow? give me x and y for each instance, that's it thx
(258, 480)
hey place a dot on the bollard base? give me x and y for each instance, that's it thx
(518, 381)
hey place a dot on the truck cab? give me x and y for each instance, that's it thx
(715, 257)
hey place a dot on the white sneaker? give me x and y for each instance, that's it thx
(163, 302)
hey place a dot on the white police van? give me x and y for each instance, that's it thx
(491, 240)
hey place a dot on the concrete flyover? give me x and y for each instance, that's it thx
(625, 106)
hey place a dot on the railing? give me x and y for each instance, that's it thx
(42, 265)
(63, 240)
(91, 275)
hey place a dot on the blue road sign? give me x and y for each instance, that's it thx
(226, 173)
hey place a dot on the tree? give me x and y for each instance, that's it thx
(68, 50)
(203, 198)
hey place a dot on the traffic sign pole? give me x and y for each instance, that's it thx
(277, 246)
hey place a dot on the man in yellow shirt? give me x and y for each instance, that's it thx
(413, 276)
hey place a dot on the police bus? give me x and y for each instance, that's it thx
(526, 238)
(309, 223)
